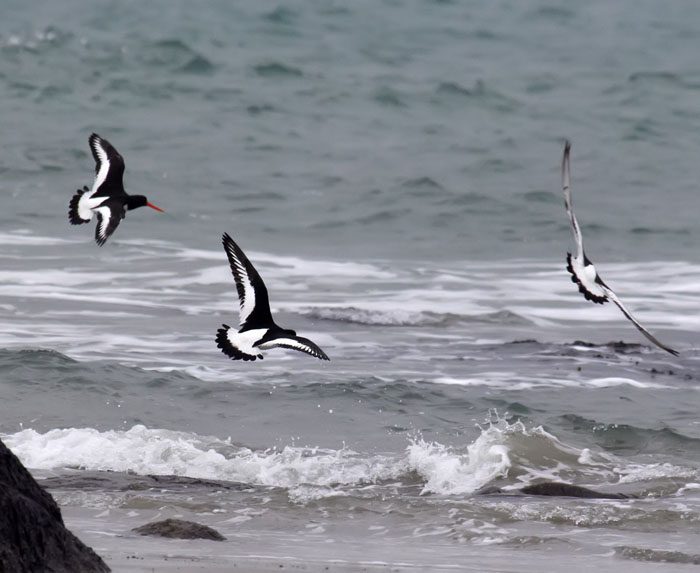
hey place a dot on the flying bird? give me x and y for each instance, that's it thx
(583, 272)
(257, 331)
(107, 197)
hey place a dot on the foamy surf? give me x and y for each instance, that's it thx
(433, 306)
(152, 451)
(507, 454)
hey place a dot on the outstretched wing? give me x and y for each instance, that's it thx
(109, 168)
(582, 271)
(297, 343)
(566, 184)
(109, 215)
(613, 297)
(252, 294)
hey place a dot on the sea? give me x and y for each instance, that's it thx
(392, 168)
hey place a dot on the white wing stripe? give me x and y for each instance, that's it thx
(567, 199)
(103, 222)
(291, 343)
(247, 303)
(104, 165)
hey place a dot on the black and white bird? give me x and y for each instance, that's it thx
(583, 272)
(257, 331)
(107, 197)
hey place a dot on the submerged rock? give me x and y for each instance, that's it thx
(179, 529)
(86, 480)
(32, 534)
(554, 489)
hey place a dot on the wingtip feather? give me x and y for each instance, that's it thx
(93, 140)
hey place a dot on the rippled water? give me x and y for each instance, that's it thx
(392, 170)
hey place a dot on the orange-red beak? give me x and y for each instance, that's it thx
(154, 207)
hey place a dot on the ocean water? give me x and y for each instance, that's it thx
(392, 169)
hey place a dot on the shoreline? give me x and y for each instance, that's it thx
(128, 552)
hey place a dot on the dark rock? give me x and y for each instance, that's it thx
(621, 346)
(179, 529)
(656, 556)
(554, 488)
(86, 480)
(32, 534)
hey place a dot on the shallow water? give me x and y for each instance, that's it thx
(392, 170)
(444, 379)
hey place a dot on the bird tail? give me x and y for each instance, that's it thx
(582, 289)
(73, 216)
(223, 342)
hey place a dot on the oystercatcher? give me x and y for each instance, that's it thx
(257, 329)
(583, 272)
(107, 197)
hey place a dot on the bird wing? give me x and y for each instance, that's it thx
(613, 297)
(566, 184)
(297, 343)
(582, 271)
(109, 215)
(109, 168)
(252, 293)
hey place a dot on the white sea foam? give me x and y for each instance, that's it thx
(157, 304)
(26, 238)
(377, 316)
(633, 473)
(502, 450)
(395, 294)
(448, 472)
(508, 451)
(165, 452)
(310, 472)
(517, 381)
